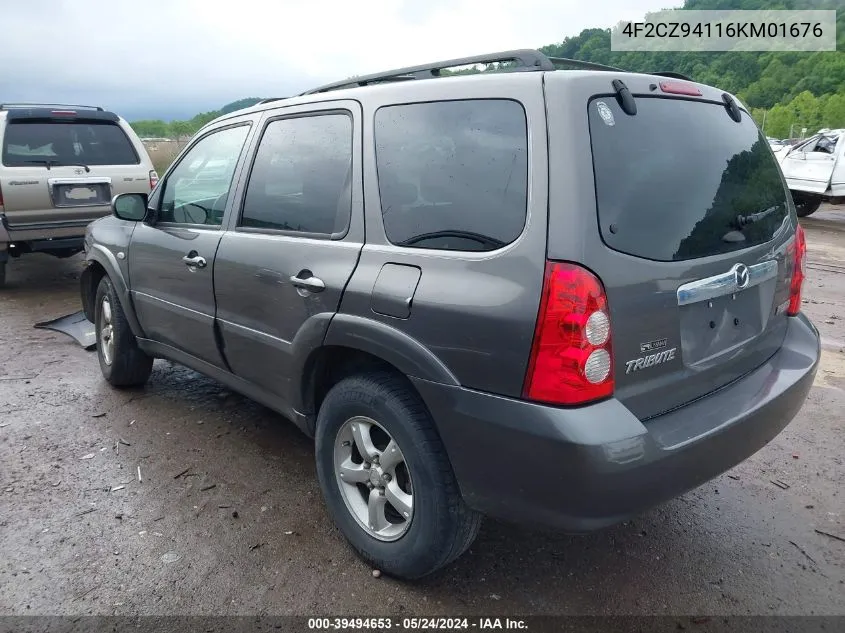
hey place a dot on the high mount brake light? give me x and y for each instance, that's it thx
(679, 88)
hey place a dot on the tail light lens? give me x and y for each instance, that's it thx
(153, 179)
(799, 257)
(571, 357)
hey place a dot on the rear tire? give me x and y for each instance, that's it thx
(2, 274)
(806, 204)
(440, 526)
(121, 360)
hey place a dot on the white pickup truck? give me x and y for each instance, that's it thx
(815, 170)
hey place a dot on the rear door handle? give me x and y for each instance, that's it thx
(192, 260)
(309, 283)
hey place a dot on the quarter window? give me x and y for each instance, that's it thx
(301, 179)
(453, 174)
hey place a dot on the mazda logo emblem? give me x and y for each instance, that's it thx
(741, 275)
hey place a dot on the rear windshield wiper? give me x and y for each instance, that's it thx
(744, 220)
(467, 235)
(54, 163)
(46, 161)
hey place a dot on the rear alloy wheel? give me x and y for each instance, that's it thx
(373, 478)
(386, 478)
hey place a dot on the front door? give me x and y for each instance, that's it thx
(283, 264)
(171, 262)
(809, 167)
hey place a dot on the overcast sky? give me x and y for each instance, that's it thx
(172, 59)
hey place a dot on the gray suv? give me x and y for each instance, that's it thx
(550, 296)
(60, 167)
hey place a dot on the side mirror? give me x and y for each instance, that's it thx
(130, 206)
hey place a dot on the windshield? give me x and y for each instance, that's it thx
(681, 180)
(33, 142)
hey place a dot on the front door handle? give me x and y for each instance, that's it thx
(192, 260)
(308, 282)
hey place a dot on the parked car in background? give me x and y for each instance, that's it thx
(470, 318)
(815, 170)
(61, 165)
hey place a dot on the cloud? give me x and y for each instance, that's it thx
(179, 57)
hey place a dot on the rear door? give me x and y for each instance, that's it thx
(283, 264)
(686, 220)
(64, 166)
(809, 167)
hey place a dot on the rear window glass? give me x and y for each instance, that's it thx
(452, 174)
(27, 143)
(682, 180)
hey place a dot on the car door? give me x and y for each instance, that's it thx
(171, 259)
(282, 266)
(809, 167)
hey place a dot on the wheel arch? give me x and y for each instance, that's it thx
(100, 263)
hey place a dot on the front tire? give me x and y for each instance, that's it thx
(121, 360)
(386, 478)
(806, 204)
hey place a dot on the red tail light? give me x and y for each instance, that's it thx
(799, 257)
(1, 200)
(153, 179)
(571, 357)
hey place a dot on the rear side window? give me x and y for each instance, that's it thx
(453, 174)
(681, 180)
(302, 176)
(35, 142)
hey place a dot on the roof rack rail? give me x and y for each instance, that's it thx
(269, 100)
(527, 60)
(6, 106)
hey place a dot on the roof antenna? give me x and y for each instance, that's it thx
(625, 98)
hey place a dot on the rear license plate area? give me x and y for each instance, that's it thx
(723, 324)
(81, 194)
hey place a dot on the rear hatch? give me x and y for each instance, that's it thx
(65, 165)
(689, 230)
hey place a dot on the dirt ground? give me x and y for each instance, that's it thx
(226, 517)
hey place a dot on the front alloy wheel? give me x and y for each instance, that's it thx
(106, 331)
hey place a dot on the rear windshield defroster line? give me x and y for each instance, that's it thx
(682, 180)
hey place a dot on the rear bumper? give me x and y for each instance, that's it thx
(585, 468)
(34, 231)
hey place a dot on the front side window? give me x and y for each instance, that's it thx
(301, 179)
(197, 189)
(453, 175)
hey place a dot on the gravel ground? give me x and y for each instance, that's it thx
(227, 517)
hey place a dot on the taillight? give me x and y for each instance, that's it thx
(799, 257)
(2, 208)
(571, 357)
(153, 179)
